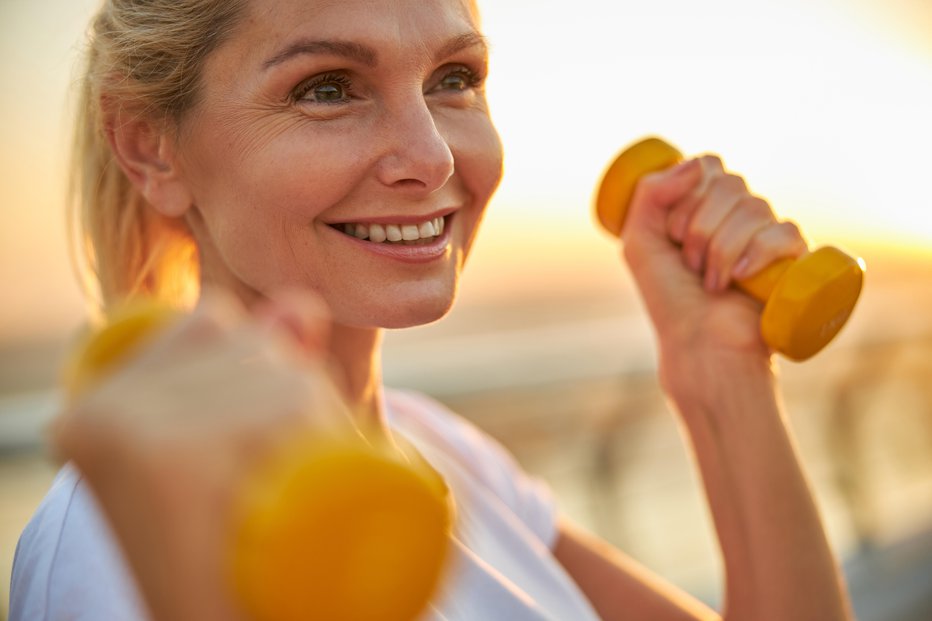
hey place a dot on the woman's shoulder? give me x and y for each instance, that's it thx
(67, 563)
(438, 431)
(433, 423)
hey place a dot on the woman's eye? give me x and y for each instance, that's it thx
(460, 79)
(325, 89)
(455, 82)
(329, 92)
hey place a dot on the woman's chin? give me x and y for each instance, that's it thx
(415, 315)
(396, 312)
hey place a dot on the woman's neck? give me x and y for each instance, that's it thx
(355, 359)
(356, 354)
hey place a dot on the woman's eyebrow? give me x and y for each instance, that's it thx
(366, 55)
(460, 43)
(358, 52)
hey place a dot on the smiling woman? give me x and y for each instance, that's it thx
(315, 172)
(357, 126)
(240, 163)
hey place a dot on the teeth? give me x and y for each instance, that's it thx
(398, 233)
(409, 232)
(377, 233)
(393, 232)
(426, 230)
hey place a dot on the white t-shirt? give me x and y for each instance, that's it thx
(68, 566)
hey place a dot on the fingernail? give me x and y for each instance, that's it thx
(711, 280)
(740, 267)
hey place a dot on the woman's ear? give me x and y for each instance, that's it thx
(146, 152)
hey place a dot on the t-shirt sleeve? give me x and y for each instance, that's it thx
(67, 563)
(529, 497)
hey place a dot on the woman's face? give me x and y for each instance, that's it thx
(326, 130)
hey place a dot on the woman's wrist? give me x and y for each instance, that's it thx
(716, 380)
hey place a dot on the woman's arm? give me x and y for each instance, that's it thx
(618, 586)
(690, 230)
(778, 564)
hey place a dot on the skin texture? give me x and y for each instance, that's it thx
(388, 121)
(267, 172)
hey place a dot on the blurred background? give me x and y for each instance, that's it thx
(822, 105)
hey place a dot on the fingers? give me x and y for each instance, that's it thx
(727, 243)
(725, 232)
(777, 241)
(295, 321)
(681, 214)
(654, 195)
(710, 209)
(301, 315)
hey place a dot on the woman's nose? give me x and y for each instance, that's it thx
(417, 158)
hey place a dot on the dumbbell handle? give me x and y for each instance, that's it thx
(806, 300)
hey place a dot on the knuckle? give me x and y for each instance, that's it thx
(768, 244)
(796, 238)
(779, 239)
(647, 185)
(791, 229)
(732, 183)
(757, 206)
(712, 162)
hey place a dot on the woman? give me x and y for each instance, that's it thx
(323, 167)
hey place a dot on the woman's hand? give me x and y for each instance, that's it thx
(691, 231)
(167, 439)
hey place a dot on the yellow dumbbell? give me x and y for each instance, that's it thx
(806, 300)
(344, 529)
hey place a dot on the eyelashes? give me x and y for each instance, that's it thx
(337, 87)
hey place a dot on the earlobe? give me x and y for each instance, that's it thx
(146, 154)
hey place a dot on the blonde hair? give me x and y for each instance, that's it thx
(144, 56)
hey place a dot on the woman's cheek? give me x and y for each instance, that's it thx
(482, 156)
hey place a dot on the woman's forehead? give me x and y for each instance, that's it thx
(404, 27)
(405, 19)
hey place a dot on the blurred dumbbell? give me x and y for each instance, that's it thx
(344, 529)
(806, 300)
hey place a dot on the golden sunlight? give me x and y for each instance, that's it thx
(822, 105)
(823, 109)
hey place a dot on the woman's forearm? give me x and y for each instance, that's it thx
(778, 563)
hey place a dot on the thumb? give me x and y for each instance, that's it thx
(301, 315)
(655, 194)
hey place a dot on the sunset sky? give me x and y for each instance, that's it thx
(824, 106)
